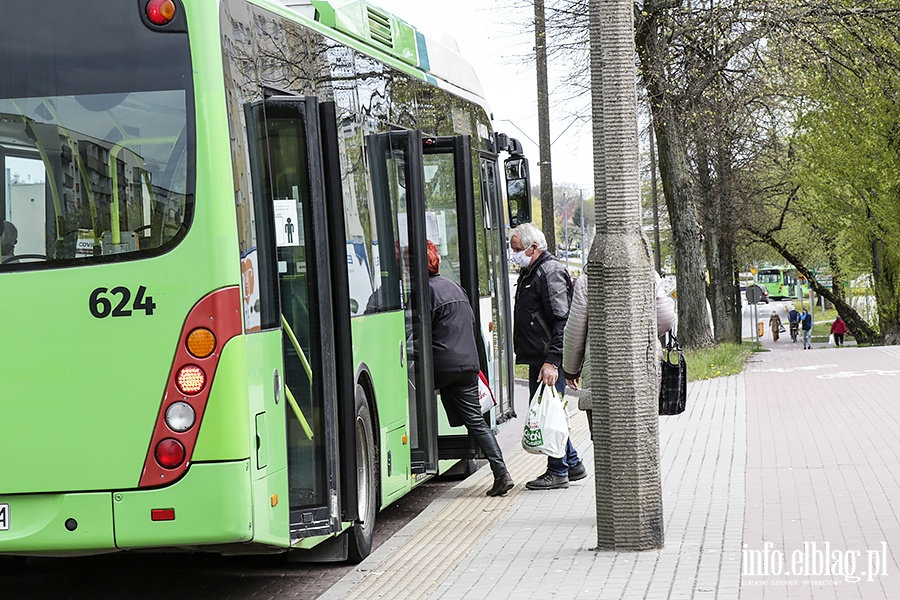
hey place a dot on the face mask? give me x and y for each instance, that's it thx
(519, 258)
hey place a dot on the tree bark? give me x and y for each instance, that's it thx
(885, 278)
(654, 199)
(693, 318)
(719, 245)
(548, 219)
(625, 420)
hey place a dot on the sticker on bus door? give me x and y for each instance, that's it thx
(4, 517)
(288, 226)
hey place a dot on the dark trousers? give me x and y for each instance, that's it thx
(556, 466)
(459, 393)
(839, 339)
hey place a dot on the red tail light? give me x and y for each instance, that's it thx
(187, 390)
(169, 453)
(160, 12)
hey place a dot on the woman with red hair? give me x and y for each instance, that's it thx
(456, 367)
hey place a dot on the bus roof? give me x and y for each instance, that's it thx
(435, 61)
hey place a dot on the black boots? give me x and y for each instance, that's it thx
(502, 484)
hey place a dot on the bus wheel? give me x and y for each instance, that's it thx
(362, 533)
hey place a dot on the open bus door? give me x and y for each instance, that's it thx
(297, 295)
(470, 239)
(395, 163)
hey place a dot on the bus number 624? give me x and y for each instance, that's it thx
(117, 302)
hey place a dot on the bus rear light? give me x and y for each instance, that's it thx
(201, 342)
(211, 323)
(180, 417)
(169, 453)
(160, 12)
(190, 380)
(162, 514)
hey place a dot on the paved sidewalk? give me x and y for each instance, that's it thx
(798, 450)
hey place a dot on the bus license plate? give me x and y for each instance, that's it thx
(4, 517)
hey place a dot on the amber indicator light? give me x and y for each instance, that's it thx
(201, 342)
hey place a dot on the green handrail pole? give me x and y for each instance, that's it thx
(300, 353)
(298, 412)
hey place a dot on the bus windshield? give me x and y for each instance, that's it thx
(95, 138)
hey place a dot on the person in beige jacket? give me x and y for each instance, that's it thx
(576, 355)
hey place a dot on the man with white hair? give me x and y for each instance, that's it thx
(543, 296)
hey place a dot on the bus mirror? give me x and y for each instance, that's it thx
(518, 190)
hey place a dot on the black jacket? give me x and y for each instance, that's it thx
(452, 328)
(543, 296)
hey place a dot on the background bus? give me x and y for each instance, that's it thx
(215, 336)
(782, 283)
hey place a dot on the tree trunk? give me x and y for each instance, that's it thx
(625, 421)
(887, 299)
(654, 199)
(690, 268)
(719, 248)
(693, 319)
(548, 219)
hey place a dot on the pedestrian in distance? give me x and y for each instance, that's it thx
(806, 325)
(543, 296)
(775, 325)
(793, 322)
(838, 329)
(456, 367)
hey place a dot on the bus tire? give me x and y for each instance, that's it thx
(362, 532)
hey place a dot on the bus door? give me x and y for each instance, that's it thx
(499, 330)
(395, 164)
(289, 189)
(462, 229)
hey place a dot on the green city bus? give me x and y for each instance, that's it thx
(214, 279)
(782, 283)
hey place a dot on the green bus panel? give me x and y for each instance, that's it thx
(269, 473)
(37, 523)
(379, 345)
(225, 429)
(395, 460)
(211, 504)
(92, 386)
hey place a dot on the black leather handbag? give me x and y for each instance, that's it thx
(673, 387)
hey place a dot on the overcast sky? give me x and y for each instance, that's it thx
(488, 37)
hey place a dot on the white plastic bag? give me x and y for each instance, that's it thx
(831, 340)
(547, 425)
(485, 395)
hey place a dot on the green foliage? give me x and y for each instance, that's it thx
(716, 361)
(837, 158)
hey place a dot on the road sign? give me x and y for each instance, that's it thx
(754, 294)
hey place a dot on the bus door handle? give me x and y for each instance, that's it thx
(402, 354)
(277, 387)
